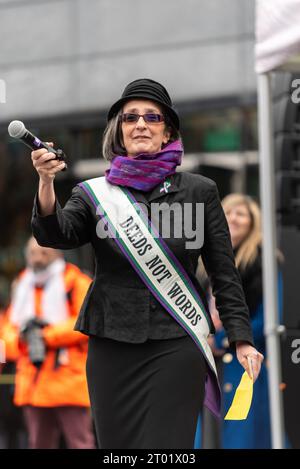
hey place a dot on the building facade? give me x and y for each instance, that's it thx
(63, 62)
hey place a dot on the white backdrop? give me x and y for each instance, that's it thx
(277, 33)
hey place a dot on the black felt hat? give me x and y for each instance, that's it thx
(144, 88)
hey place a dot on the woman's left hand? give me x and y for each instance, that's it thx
(249, 358)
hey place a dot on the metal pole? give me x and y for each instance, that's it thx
(267, 195)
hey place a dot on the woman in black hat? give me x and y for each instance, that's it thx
(149, 368)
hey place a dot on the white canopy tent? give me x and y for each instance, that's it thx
(277, 48)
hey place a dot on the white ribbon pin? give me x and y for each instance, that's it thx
(166, 186)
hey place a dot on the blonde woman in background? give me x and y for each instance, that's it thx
(244, 221)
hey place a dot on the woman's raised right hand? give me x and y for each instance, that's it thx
(46, 164)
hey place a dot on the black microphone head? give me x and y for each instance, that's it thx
(16, 129)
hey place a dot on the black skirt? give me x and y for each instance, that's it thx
(145, 395)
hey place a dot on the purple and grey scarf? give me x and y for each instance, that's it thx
(145, 171)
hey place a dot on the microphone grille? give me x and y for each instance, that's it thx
(16, 129)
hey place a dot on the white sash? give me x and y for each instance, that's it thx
(156, 265)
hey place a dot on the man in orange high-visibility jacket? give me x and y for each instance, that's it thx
(50, 379)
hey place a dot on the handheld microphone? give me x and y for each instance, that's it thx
(17, 129)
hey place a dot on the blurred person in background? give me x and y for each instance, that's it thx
(12, 429)
(147, 375)
(50, 377)
(244, 220)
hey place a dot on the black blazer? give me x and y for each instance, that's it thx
(118, 305)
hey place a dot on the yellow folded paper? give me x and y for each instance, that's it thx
(241, 403)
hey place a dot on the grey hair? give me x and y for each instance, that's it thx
(112, 143)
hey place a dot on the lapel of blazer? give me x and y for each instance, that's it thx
(159, 191)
